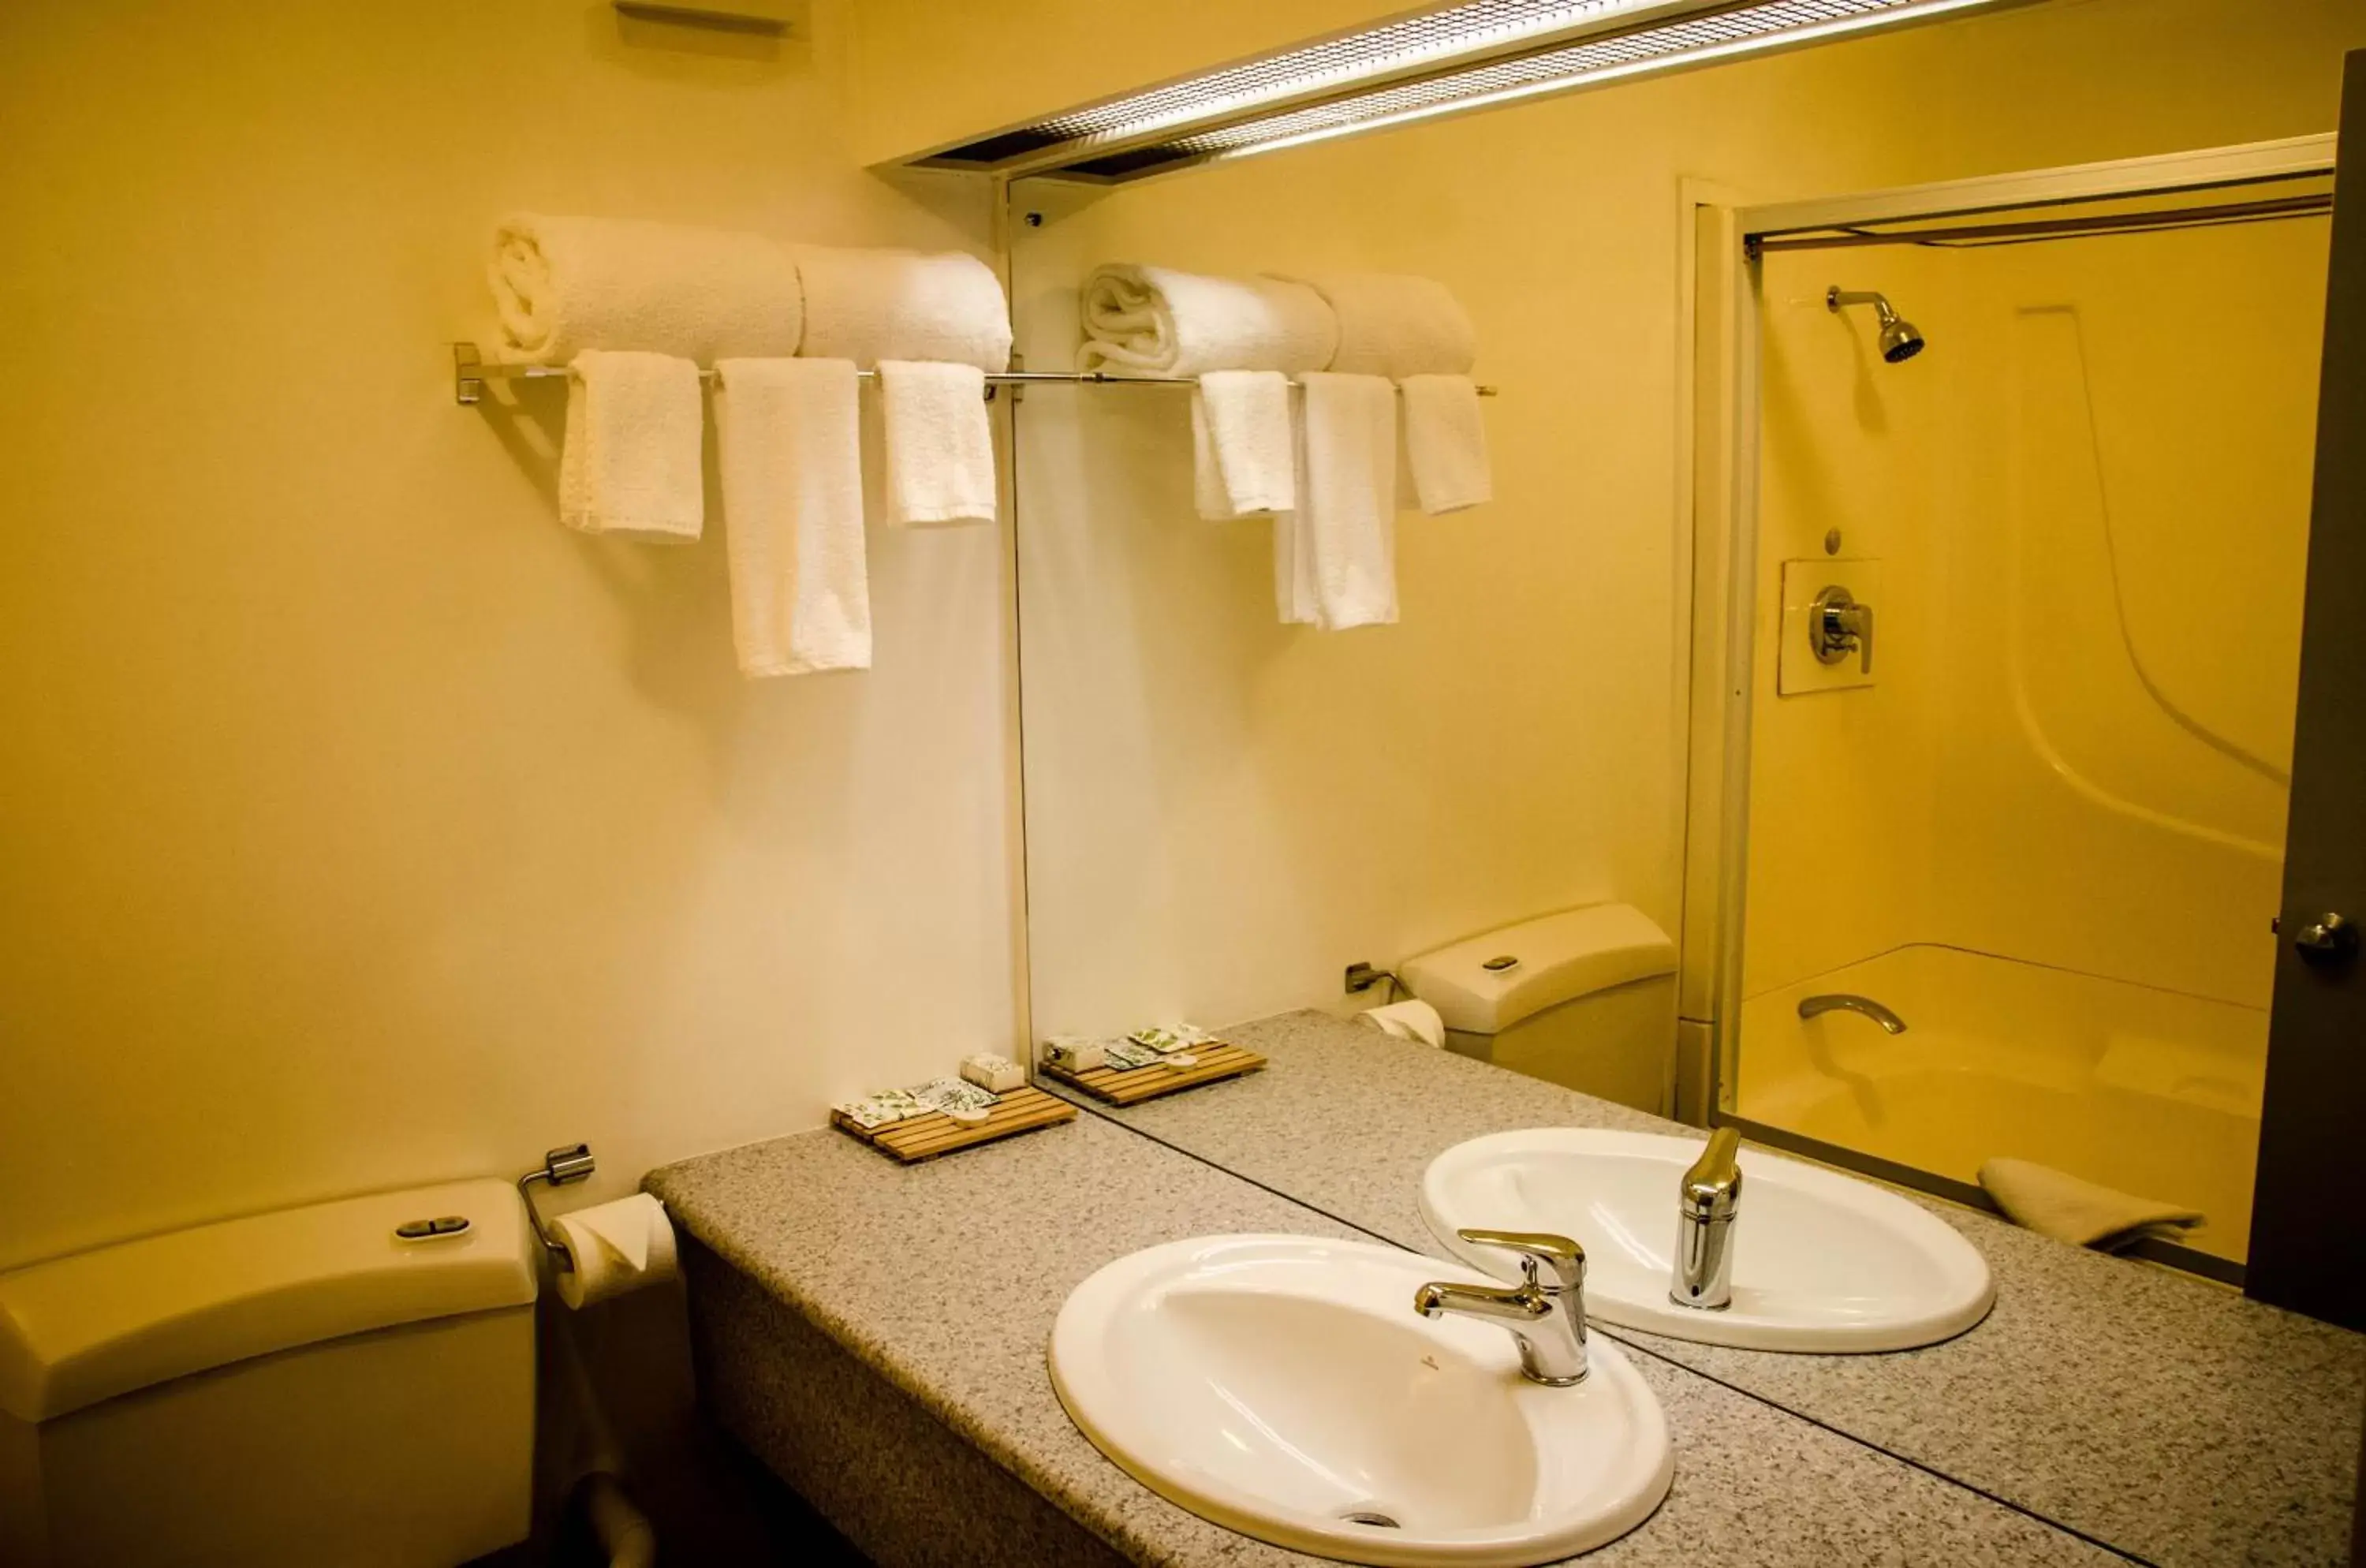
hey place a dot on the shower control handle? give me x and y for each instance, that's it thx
(1838, 625)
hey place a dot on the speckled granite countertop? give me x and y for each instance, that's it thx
(860, 1247)
(2172, 1418)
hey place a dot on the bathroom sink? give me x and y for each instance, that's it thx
(1822, 1262)
(1284, 1386)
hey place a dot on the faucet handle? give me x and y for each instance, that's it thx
(1565, 1257)
(1713, 1184)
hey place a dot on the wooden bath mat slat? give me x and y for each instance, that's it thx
(916, 1138)
(1132, 1085)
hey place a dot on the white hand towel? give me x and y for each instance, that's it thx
(563, 284)
(1396, 325)
(631, 463)
(1244, 455)
(870, 306)
(2055, 1203)
(789, 441)
(1348, 499)
(1154, 320)
(939, 444)
(1446, 443)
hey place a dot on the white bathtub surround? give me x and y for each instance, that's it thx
(1342, 541)
(2084, 1213)
(872, 306)
(939, 444)
(1396, 325)
(1155, 321)
(2150, 1090)
(564, 285)
(1244, 444)
(788, 440)
(634, 424)
(1446, 443)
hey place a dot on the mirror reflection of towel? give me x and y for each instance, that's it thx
(2055, 1203)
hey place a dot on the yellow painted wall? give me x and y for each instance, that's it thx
(1222, 813)
(361, 825)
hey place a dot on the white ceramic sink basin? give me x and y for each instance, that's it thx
(1283, 1387)
(1821, 1261)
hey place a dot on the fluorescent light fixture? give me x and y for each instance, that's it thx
(1461, 57)
(1769, 25)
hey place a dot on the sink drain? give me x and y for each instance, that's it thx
(1365, 1516)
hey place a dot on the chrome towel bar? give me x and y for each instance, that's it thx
(471, 370)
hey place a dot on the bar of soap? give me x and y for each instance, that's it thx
(1178, 1060)
(962, 1102)
(1169, 1037)
(1125, 1055)
(1075, 1054)
(995, 1073)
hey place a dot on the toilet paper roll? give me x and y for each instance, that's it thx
(616, 1248)
(1412, 1018)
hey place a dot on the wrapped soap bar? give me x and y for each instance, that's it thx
(998, 1075)
(1167, 1037)
(950, 1095)
(1075, 1054)
(881, 1110)
(1125, 1055)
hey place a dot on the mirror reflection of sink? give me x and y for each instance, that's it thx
(1822, 1262)
(1284, 1387)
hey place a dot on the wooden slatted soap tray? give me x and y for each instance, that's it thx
(916, 1138)
(1132, 1085)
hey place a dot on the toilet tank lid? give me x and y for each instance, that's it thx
(1560, 957)
(77, 1330)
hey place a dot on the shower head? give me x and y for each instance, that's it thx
(1900, 340)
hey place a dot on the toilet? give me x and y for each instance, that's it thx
(1585, 999)
(349, 1383)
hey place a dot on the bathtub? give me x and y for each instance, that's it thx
(2146, 1090)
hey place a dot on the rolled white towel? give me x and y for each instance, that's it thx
(1154, 320)
(631, 463)
(1396, 325)
(873, 305)
(563, 284)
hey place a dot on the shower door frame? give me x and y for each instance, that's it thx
(1724, 311)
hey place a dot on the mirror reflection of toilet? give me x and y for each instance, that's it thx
(1585, 999)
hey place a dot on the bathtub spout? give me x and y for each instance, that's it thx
(1841, 1001)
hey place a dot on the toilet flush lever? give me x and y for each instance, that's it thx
(1838, 625)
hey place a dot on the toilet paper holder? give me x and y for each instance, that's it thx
(559, 1166)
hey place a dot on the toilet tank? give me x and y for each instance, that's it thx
(311, 1387)
(1585, 999)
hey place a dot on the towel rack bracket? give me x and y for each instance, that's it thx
(468, 386)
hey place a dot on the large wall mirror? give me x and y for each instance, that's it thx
(2018, 461)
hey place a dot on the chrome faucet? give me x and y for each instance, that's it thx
(1843, 1001)
(1548, 1319)
(1707, 1201)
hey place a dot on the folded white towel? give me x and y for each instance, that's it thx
(1244, 455)
(939, 444)
(1348, 499)
(870, 306)
(1396, 325)
(1154, 320)
(1446, 443)
(789, 441)
(563, 284)
(631, 462)
(2055, 1203)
